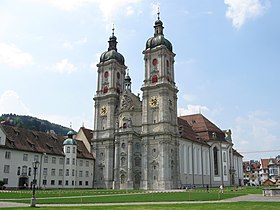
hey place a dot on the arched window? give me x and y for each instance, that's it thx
(106, 74)
(123, 161)
(18, 171)
(155, 62)
(167, 63)
(122, 179)
(105, 89)
(216, 165)
(24, 170)
(154, 79)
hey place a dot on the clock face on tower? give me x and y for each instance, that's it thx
(154, 101)
(103, 111)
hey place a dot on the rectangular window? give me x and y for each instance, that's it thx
(66, 182)
(61, 161)
(73, 172)
(24, 171)
(59, 182)
(6, 180)
(80, 183)
(87, 163)
(74, 150)
(45, 171)
(67, 161)
(52, 182)
(53, 160)
(86, 183)
(7, 155)
(73, 161)
(36, 157)
(53, 172)
(44, 182)
(6, 169)
(80, 173)
(73, 183)
(60, 172)
(29, 171)
(46, 159)
(87, 173)
(25, 157)
(67, 172)
(68, 150)
(81, 162)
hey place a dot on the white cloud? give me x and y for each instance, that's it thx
(239, 11)
(129, 11)
(64, 66)
(13, 56)
(71, 45)
(10, 102)
(108, 8)
(192, 109)
(255, 132)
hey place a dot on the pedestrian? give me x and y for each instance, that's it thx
(207, 188)
(221, 189)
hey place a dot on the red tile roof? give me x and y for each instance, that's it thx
(264, 163)
(88, 133)
(204, 127)
(39, 142)
(187, 132)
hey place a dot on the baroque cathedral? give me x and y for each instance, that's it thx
(140, 143)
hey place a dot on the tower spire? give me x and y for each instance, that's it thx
(158, 13)
(127, 81)
(113, 30)
(113, 40)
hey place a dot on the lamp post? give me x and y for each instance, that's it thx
(35, 165)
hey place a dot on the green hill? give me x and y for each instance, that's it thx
(33, 123)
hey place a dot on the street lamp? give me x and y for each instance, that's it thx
(35, 165)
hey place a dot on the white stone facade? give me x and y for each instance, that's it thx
(17, 172)
(139, 144)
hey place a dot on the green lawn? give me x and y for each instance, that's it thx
(146, 197)
(119, 196)
(198, 206)
(122, 196)
(61, 193)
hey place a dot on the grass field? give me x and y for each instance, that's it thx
(198, 206)
(121, 196)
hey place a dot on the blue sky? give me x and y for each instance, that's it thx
(227, 60)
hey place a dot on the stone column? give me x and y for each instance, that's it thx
(116, 184)
(129, 165)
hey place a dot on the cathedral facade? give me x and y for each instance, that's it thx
(140, 143)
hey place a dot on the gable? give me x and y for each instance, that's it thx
(2, 136)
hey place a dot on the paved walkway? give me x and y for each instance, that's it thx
(251, 197)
